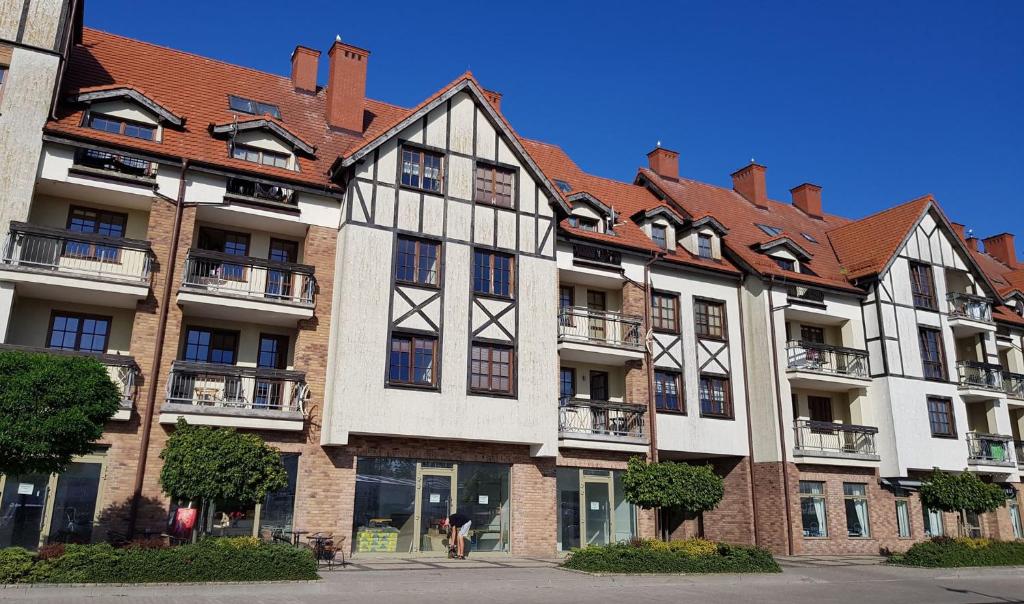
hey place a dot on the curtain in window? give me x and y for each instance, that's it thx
(1018, 531)
(903, 518)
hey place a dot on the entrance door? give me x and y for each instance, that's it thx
(435, 497)
(22, 506)
(596, 504)
(596, 303)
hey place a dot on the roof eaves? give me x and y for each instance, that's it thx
(589, 199)
(264, 123)
(787, 243)
(127, 92)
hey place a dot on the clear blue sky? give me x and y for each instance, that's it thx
(878, 102)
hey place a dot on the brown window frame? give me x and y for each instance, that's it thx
(418, 243)
(491, 255)
(677, 381)
(943, 369)
(92, 253)
(4, 74)
(806, 330)
(701, 238)
(922, 299)
(658, 321)
(206, 231)
(786, 264)
(413, 338)
(236, 334)
(663, 243)
(703, 328)
(948, 403)
(283, 342)
(123, 124)
(422, 153)
(583, 223)
(480, 171)
(261, 155)
(491, 376)
(728, 411)
(81, 317)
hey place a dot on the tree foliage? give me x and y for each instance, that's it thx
(219, 466)
(668, 484)
(52, 409)
(964, 491)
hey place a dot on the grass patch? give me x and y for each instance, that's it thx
(690, 556)
(944, 552)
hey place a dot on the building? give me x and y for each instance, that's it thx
(425, 311)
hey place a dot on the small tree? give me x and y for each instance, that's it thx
(960, 493)
(52, 409)
(672, 486)
(219, 466)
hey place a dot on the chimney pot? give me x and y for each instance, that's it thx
(807, 197)
(749, 181)
(494, 98)
(664, 162)
(304, 66)
(1001, 247)
(346, 86)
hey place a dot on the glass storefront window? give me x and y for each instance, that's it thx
(21, 519)
(592, 508)
(903, 518)
(812, 508)
(856, 502)
(932, 522)
(483, 497)
(568, 485)
(74, 503)
(1018, 530)
(385, 505)
(278, 508)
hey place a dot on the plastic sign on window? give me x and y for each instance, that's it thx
(595, 505)
(25, 488)
(435, 498)
(482, 499)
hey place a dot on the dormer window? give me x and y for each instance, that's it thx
(243, 105)
(659, 234)
(704, 249)
(786, 264)
(563, 186)
(770, 230)
(583, 223)
(115, 125)
(259, 156)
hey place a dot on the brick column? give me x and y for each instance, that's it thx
(771, 506)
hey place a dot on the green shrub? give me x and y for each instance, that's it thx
(236, 559)
(691, 556)
(943, 552)
(14, 563)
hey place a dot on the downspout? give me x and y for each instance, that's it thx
(746, 393)
(62, 58)
(161, 330)
(652, 412)
(782, 437)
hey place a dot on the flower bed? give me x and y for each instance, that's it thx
(944, 552)
(689, 556)
(244, 559)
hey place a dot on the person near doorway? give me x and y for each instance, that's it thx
(458, 525)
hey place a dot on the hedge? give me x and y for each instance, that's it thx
(690, 556)
(944, 552)
(209, 560)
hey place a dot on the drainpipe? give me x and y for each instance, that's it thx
(652, 412)
(746, 393)
(782, 437)
(161, 331)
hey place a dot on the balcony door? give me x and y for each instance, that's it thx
(225, 242)
(596, 304)
(279, 282)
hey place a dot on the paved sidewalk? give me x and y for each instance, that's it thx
(818, 561)
(392, 563)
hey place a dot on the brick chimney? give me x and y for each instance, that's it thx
(494, 98)
(972, 243)
(304, 62)
(959, 229)
(1002, 249)
(346, 86)
(749, 181)
(664, 163)
(807, 197)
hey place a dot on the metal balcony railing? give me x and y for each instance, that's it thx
(972, 374)
(1018, 450)
(62, 251)
(242, 187)
(989, 448)
(822, 358)
(968, 306)
(230, 386)
(1013, 384)
(805, 294)
(122, 369)
(600, 327)
(247, 277)
(113, 162)
(593, 253)
(835, 439)
(601, 419)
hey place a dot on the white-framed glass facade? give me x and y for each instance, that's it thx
(592, 508)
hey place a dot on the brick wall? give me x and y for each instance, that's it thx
(770, 515)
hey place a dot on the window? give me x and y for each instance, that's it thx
(491, 368)
(665, 312)
(812, 508)
(812, 334)
(417, 261)
(563, 186)
(940, 417)
(494, 185)
(659, 234)
(565, 304)
(566, 384)
(714, 397)
(273, 352)
(933, 357)
(492, 273)
(279, 282)
(704, 246)
(237, 103)
(259, 156)
(921, 285)
(78, 332)
(809, 237)
(412, 360)
(770, 230)
(583, 223)
(96, 222)
(3, 79)
(211, 346)
(422, 169)
(1018, 530)
(972, 520)
(116, 125)
(932, 522)
(709, 319)
(599, 386)
(666, 392)
(785, 264)
(226, 242)
(855, 498)
(903, 518)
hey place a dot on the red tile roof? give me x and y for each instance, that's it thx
(865, 246)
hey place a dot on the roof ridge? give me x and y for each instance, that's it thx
(927, 197)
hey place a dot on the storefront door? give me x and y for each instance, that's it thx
(23, 503)
(435, 494)
(597, 510)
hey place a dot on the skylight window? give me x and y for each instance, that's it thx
(237, 103)
(772, 231)
(564, 186)
(808, 237)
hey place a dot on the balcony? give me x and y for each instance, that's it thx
(93, 162)
(825, 367)
(989, 450)
(805, 296)
(834, 441)
(1018, 450)
(228, 395)
(602, 337)
(58, 264)
(240, 288)
(121, 368)
(589, 424)
(1013, 386)
(260, 194)
(979, 381)
(969, 314)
